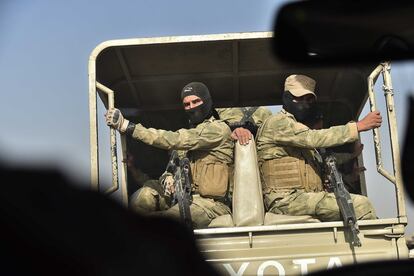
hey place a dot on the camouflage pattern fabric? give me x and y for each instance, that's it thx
(210, 138)
(203, 211)
(321, 205)
(282, 136)
(209, 141)
(150, 201)
(235, 114)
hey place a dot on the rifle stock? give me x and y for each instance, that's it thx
(180, 168)
(343, 198)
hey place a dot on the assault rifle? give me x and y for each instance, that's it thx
(246, 121)
(343, 198)
(180, 169)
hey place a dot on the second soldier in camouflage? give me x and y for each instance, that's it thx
(288, 159)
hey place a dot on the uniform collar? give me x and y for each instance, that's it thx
(288, 114)
(211, 119)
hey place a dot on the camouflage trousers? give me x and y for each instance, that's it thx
(151, 200)
(320, 205)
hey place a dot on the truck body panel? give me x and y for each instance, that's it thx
(144, 78)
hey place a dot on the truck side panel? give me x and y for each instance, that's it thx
(297, 251)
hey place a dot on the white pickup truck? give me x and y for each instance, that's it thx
(143, 77)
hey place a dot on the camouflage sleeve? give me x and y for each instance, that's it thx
(260, 115)
(204, 136)
(231, 115)
(291, 133)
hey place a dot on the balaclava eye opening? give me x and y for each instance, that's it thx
(202, 112)
(304, 112)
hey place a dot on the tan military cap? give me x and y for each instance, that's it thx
(300, 85)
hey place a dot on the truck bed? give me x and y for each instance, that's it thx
(294, 249)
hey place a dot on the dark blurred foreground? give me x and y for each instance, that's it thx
(50, 227)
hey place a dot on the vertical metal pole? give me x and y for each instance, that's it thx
(112, 133)
(93, 127)
(395, 149)
(376, 134)
(395, 177)
(124, 170)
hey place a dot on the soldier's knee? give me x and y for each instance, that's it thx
(363, 207)
(172, 213)
(145, 200)
(199, 217)
(327, 208)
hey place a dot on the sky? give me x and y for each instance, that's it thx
(44, 50)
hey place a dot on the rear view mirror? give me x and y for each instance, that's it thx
(345, 31)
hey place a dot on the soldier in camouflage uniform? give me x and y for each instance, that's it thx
(244, 121)
(289, 162)
(210, 149)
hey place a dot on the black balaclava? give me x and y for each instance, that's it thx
(202, 112)
(303, 112)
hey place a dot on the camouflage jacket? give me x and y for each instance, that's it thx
(281, 136)
(209, 140)
(235, 115)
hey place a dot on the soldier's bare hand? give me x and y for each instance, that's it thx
(169, 185)
(370, 121)
(242, 135)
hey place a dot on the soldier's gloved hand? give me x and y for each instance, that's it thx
(168, 184)
(115, 120)
(241, 134)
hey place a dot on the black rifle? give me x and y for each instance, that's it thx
(247, 121)
(180, 169)
(343, 198)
